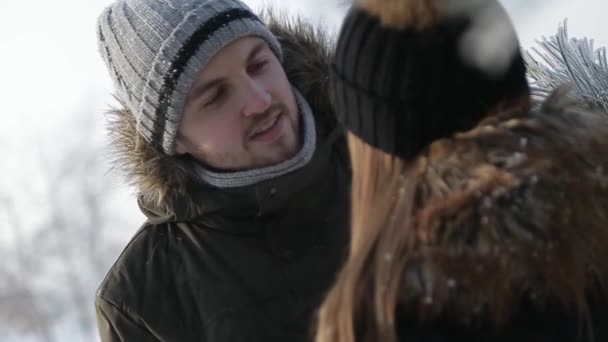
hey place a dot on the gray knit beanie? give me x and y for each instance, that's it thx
(154, 50)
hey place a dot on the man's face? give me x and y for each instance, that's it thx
(240, 112)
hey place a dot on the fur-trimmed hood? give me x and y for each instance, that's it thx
(524, 194)
(514, 209)
(165, 184)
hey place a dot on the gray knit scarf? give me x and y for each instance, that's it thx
(250, 177)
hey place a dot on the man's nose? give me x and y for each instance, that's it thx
(257, 100)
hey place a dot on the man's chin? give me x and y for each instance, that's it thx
(276, 159)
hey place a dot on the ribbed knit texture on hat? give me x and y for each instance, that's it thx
(155, 49)
(399, 90)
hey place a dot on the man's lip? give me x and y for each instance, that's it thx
(270, 122)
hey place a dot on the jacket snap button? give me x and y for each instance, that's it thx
(273, 191)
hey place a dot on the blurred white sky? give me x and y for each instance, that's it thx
(49, 64)
(50, 71)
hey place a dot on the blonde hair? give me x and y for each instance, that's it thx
(377, 238)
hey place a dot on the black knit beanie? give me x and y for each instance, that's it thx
(400, 89)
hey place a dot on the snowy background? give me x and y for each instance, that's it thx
(64, 216)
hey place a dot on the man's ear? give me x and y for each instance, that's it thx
(180, 145)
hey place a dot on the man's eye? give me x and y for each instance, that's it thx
(258, 66)
(215, 98)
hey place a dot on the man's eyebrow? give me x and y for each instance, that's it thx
(256, 49)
